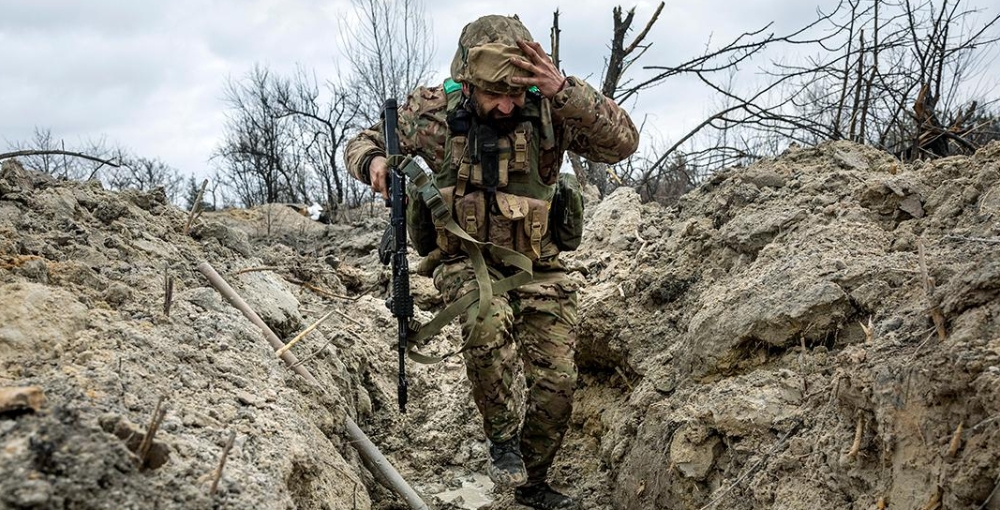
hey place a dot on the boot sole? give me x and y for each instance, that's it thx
(505, 479)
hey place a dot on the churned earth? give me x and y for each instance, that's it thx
(769, 342)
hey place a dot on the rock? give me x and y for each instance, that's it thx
(35, 317)
(21, 399)
(693, 450)
(267, 295)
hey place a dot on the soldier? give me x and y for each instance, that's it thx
(494, 135)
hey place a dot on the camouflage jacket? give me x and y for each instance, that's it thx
(584, 121)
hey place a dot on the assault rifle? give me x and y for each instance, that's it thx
(392, 249)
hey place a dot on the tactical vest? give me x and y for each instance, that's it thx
(514, 212)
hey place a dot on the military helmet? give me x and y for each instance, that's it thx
(483, 54)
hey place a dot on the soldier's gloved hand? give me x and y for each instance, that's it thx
(545, 75)
(378, 172)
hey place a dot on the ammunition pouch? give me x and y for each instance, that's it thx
(566, 215)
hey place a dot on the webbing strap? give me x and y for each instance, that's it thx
(441, 212)
(470, 299)
(454, 310)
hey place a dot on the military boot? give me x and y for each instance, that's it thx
(507, 466)
(544, 497)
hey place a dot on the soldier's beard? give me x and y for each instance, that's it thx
(500, 123)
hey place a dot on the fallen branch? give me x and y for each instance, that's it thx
(222, 463)
(357, 437)
(17, 154)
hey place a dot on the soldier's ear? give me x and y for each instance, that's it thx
(466, 89)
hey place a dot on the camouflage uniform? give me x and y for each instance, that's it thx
(537, 320)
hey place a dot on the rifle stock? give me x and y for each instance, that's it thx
(393, 248)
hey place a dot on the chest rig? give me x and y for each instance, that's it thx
(499, 185)
(507, 162)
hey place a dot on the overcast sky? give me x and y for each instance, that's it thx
(149, 74)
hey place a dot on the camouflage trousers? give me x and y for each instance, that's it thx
(536, 324)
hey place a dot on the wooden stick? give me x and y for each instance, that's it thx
(147, 440)
(255, 269)
(935, 308)
(168, 290)
(302, 335)
(227, 292)
(222, 462)
(195, 208)
(956, 441)
(859, 431)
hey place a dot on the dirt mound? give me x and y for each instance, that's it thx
(82, 274)
(774, 334)
(765, 344)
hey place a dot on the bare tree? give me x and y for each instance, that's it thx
(623, 55)
(258, 151)
(145, 174)
(323, 125)
(893, 74)
(390, 49)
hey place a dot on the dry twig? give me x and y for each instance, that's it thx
(304, 332)
(350, 319)
(222, 463)
(956, 441)
(859, 431)
(256, 269)
(935, 307)
(168, 290)
(320, 291)
(147, 440)
(195, 208)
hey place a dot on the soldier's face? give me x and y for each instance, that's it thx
(498, 109)
(497, 106)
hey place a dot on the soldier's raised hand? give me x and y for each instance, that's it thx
(545, 75)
